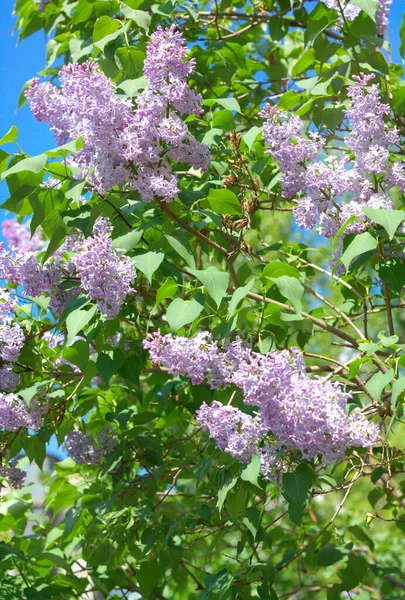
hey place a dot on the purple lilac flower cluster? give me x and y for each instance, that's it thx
(132, 150)
(105, 275)
(19, 238)
(350, 12)
(11, 342)
(322, 184)
(15, 414)
(14, 475)
(295, 415)
(83, 448)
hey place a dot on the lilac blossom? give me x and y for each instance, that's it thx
(233, 430)
(295, 415)
(6, 304)
(19, 238)
(9, 379)
(105, 274)
(382, 15)
(290, 149)
(93, 266)
(37, 278)
(11, 341)
(122, 147)
(331, 191)
(15, 414)
(84, 450)
(14, 474)
(22, 267)
(350, 12)
(370, 137)
(181, 355)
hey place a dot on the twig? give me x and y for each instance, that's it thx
(388, 305)
(332, 520)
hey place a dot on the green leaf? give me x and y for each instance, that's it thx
(218, 584)
(362, 535)
(250, 136)
(215, 282)
(354, 573)
(55, 558)
(75, 190)
(251, 520)
(131, 87)
(305, 61)
(376, 384)
(236, 502)
(359, 245)
(63, 151)
(369, 7)
(128, 241)
(10, 136)
(108, 364)
(105, 30)
(228, 103)
(389, 219)
(224, 202)
(149, 262)
(223, 119)
(318, 20)
(77, 320)
(392, 271)
(55, 241)
(238, 295)
(297, 490)
(291, 288)
(129, 61)
(180, 245)
(402, 38)
(181, 312)
(140, 17)
(77, 354)
(35, 449)
(144, 417)
(166, 290)
(276, 269)
(251, 471)
(35, 164)
(148, 575)
(332, 116)
(331, 554)
(345, 225)
(9, 552)
(228, 481)
(397, 387)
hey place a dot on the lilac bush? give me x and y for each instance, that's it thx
(321, 185)
(222, 411)
(122, 147)
(295, 413)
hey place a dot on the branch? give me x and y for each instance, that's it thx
(187, 227)
(388, 305)
(332, 520)
(319, 322)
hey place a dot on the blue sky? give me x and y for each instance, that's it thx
(18, 64)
